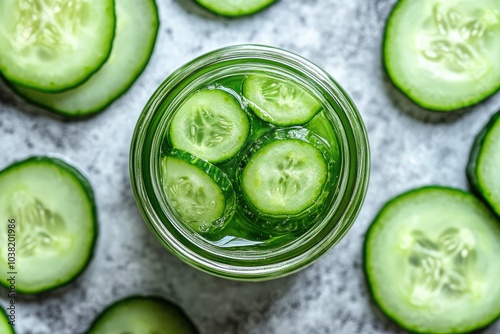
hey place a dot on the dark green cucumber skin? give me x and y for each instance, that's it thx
(365, 263)
(422, 104)
(236, 15)
(90, 197)
(78, 82)
(4, 314)
(164, 302)
(97, 110)
(471, 169)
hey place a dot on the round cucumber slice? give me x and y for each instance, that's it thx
(55, 229)
(140, 315)
(5, 327)
(200, 193)
(444, 54)
(136, 30)
(54, 45)
(431, 261)
(235, 8)
(279, 102)
(484, 163)
(211, 125)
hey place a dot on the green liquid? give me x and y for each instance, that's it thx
(246, 229)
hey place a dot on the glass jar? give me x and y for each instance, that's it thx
(251, 263)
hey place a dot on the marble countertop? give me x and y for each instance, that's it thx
(409, 149)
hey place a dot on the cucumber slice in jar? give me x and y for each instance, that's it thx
(211, 125)
(54, 45)
(200, 193)
(55, 224)
(136, 30)
(279, 102)
(431, 261)
(444, 54)
(235, 8)
(484, 163)
(5, 327)
(140, 315)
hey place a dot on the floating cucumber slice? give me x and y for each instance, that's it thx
(136, 31)
(200, 193)
(143, 315)
(55, 223)
(431, 261)
(234, 8)
(444, 54)
(211, 125)
(484, 163)
(5, 327)
(54, 45)
(279, 102)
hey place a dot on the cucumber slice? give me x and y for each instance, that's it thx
(5, 327)
(54, 45)
(55, 223)
(279, 102)
(484, 163)
(235, 8)
(444, 54)
(284, 177)
(211, 125)
(200, 193)
(136, 31)
(141, 315)
(431, 261)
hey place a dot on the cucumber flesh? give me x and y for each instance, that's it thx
(211, 125)
(234, 8)
(5, 327)
(141, 315)
(431, 261)
(54, 45)
(484, 163)
(284, 177)
(444, 54)
(136, 31)
(279, 102)
(56, 228)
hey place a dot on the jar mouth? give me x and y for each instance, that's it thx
(258, 264)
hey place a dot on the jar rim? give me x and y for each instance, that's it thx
(357, 176)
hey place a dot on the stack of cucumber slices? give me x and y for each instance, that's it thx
(75, 57)
(431, 253)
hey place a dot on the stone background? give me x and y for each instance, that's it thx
(408, 150)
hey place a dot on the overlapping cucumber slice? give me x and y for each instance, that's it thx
(444, 54)
(5, 327)
(431, 261)
(234, 8)
(484, 163)
(141, 315)
(136, 31)
(54, 45)
(52, 206)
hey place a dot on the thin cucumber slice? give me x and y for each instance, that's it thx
(235, 8)
(279, 102)
(431, 261)
(136, 31)
(5, 327)
(484, 163)
(200, 193)
(444, 54)
(141, 315)
(55, 229)
(54, 45)
(211, 125)
(284, 177)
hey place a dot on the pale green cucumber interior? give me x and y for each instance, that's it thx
(235, 7)
(55, 225)
(488, 166)
(431, 261)
(54, 44)
(5, 327)
(136, 29)
(444, 54)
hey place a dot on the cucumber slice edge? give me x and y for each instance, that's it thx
(229, 15)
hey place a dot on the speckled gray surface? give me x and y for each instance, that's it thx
(343, 37)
